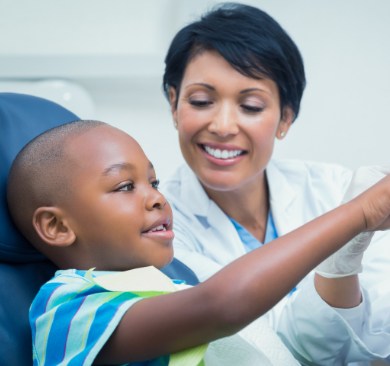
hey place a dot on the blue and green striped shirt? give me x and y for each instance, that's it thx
(72, 318)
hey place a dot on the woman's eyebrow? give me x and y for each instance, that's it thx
(208, 86)
(249, 90)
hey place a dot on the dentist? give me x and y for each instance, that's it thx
(234, 80)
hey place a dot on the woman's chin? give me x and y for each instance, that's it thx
(220, 181)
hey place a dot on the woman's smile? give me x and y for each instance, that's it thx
(227, 123)
(222, 155)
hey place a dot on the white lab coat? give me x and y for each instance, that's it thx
(317, 334)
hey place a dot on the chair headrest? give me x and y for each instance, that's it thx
(22, 118)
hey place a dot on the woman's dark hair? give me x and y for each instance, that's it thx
(249, 40)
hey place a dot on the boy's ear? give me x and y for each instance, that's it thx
(285, 122)
(172, 102)
(52, 227)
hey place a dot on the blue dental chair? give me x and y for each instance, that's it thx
(22, 269)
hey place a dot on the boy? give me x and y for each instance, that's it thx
(86, 196)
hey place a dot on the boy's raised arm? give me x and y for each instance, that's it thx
(245, 289)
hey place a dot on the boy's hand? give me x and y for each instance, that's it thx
(376, 201)
(376, 208)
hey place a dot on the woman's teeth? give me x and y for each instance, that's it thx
(222, 154)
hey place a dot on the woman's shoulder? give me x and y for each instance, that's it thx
(307, 169)
(309, 166)
(310, 176)
(308, 188)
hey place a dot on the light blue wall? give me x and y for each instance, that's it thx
(114, 50)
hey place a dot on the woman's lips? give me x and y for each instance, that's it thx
(222, 155)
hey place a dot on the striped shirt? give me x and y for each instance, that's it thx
(72, 318)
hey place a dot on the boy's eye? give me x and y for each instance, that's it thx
(126, 187)
(155, 183)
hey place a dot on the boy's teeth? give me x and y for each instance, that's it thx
(159, 228)
(222, 154)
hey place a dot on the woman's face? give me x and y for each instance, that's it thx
(227, 122)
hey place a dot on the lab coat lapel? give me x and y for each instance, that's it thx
(285, 200)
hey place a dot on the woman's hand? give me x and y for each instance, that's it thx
(347, 261)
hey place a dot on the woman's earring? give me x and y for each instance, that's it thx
(175, 124)
(282, 134)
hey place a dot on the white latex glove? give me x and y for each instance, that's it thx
(347, 261)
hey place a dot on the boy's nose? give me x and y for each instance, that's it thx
(160, 204)
(224, 122)
(156, 201)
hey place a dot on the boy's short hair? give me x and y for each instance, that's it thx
(38, 176)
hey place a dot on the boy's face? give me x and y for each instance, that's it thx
(120, 219)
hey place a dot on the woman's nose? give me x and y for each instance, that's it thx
(224, 122)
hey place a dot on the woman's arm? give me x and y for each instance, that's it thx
(341, 292)
(243, 290)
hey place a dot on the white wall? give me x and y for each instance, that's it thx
(115, 50)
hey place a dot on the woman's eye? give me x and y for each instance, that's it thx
(200, 103)
(251, 108)
(127, 187)
(155, 184)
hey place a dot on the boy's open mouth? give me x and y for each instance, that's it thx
(157, 228)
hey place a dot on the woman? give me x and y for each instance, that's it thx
(234, 80)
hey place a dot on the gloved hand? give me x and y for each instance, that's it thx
(347, 261)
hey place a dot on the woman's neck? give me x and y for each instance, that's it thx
(248, 205)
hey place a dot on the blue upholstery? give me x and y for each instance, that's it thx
(22, 269)
(22, 118)
(178, 270)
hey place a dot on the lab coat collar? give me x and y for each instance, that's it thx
(283, 199)
(192, 193)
